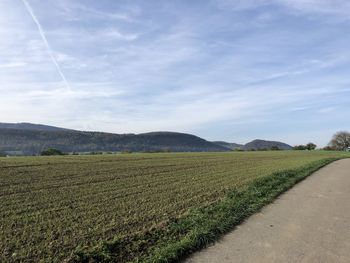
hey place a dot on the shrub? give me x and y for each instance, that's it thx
(95, 153)
(329, 148)
(299, 147)
(311, 146)
(126, 151)
(274, 148)
(238, 149)
(51, 151)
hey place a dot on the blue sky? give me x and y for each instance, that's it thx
(222, 69)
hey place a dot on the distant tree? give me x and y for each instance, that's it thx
(311, 146)
(238, 149)
(300, 147)
(274, 148)
(95, 153)
(262, 149)
(166, 150)
(51, 151)
(340, 141)
(328, 148)
(2, 154)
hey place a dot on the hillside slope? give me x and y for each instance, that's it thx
(254, 145)
(262, 144)
(229, 145)
(29, 126)
(30, 141)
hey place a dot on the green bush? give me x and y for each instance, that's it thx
(329, 148)
(311, 146)
(95, 153)
(275, 148)
(51, 151)
(299, 147)
(238, 150)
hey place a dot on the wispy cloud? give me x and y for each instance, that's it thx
(71, 8)
(331, 7)
(223, 69)
(115, 33)
(49, 49)
(315, 7)
(13, 65)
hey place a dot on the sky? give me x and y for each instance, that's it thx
(233, 70)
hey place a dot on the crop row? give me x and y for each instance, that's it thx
(49, 206)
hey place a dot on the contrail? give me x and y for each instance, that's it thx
(48, 47)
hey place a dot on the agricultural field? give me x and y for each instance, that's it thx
(55, 208)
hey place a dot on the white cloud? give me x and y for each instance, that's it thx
(327, 110)
(48, 47)
(316, 7)
(240, 5)
(77, 11)
(172, 68)
(333, 7)
(13, 65)
(116, 34)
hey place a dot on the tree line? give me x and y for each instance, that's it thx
(339, 142)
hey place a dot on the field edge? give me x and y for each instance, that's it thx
(199, 227)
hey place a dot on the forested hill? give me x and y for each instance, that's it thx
(33, 141)
(30, 126)
(229, 145)
(262, 144)
(255, 145)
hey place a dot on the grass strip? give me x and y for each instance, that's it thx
(199, 227)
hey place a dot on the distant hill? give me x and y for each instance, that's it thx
(28, 139)
(262, 144)
(31, 139)
(228, 145)
(254, 145)
(29, 126)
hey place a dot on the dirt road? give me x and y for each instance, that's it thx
(309, 223)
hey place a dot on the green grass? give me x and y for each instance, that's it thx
(138, 207)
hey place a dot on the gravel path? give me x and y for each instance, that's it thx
(309, 223)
